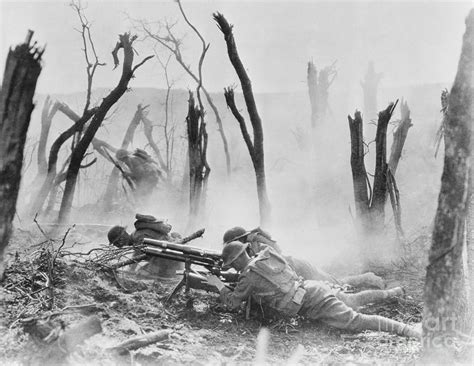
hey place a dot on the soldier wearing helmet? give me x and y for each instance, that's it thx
(147, 226)
(259, 240)
(141, 169)
(269, 280)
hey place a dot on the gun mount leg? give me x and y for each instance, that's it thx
(178, 287)
(184, 282)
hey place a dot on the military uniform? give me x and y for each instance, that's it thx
(147, 226)
(269, 280)
(142, 170)
(259, 240)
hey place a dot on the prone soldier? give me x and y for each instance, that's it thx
(259, 239)
(147, 226)
(269, 280)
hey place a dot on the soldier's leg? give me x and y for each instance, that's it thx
(362, 298)
(337, 314)
(368, 279)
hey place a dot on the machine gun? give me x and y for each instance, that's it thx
(189, 255)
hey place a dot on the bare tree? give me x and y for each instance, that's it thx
(198, 167)
(318, 89)
(22, 69)
(370, 88)
(171, 42)
(255, 147)
(445, 298)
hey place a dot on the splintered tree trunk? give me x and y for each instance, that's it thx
(399, 137)
(22, 70)
(256, 147)
(359, 174)
(198, 168)
(312, 77)
(112, 184)
(445, 310)
(379, 196)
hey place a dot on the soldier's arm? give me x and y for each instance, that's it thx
(233, 298)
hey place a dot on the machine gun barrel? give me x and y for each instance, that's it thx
(178, 256)
(186, 249)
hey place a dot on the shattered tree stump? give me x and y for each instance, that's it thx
(22, 70)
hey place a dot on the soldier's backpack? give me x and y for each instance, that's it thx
(152, 223)
(286, 293)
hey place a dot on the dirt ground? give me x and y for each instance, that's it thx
(199, 331)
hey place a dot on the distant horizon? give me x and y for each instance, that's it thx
(240, 91)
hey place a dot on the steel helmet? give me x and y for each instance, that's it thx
(234, 234)
(232, 251)
(121, 154)
(115, 233)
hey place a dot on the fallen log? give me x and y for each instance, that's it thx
(140, 341)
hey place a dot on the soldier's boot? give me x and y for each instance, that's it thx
(380, 323)
(362, 298)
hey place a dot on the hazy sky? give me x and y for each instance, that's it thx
(410, 42)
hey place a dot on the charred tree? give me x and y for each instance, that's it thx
(197, 152)
(379, 195)
(125, 42)
(111, 190)
(255, 147)
(370, 88)
(370, 203)
(359, 173)
(445, 308)
(22, 69)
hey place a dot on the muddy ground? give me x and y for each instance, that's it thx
(48, 284)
